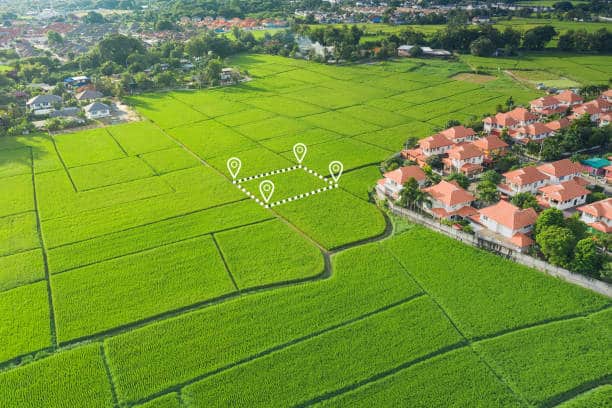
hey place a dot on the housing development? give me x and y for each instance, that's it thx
(207, 203)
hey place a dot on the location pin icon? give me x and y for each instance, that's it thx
(299, 150)
(266, 188)
(233, 165)
(335, 170)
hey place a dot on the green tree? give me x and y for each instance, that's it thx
(487, 192)
(93, 17)
(213, 71)
(557, 244)
(549, 218)
(492, 176)
(482, 47)
(411, 195)
(525, 200)
(460, 178)
(54, 37)
(587, 260)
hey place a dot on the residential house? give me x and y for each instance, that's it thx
(561, 170)
(598, 215)
(608, 175)
(464, 158)
(607, 95)
(43, 104)
(227, 76)
(594, 108)
(88, 95)
(556, 125)
(449, 201)
(605, 119)
(509, 221)
(534, 132)
(567, 194)
(491, 146)
(526, 180)
(393, 182)
(568, 99)
(435, 145)
(595, 166)
(459, 134)
(546, 106)
(511, 120)
(96, 110)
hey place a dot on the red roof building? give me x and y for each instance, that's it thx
(526, 180)
(509, 221)
(562, 196)
(511, 120)
(491, 146)
(561, 170)
(449, 200)
(598, 215)
(458, 134)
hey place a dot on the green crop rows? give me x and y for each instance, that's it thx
(135, 273)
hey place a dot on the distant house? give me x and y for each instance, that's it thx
(561, 170)
(77, 81)
(546, 106)
(562, 196)
(534, 132)
(88, 95)
(594, 108)
(43, 104)
(598, 215)
(405, 51)
(491, 146)
(393, 182)
(569, 98)
(435, 145)
(464, 158)
(526, 180)
(449, 201)
(607, 95)
(458, 134)
(227, 76)
(97, 110)
(556, 125)
(511, 120)
(509, 221)
(596, 166)
(69, 111)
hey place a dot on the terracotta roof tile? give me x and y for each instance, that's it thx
(560, 168)
(509, 215)
(464, 151)
(401, 175)
(526, 175)
(565, 191)
(601, 208)
(490, 143)
(449, 193)
(569, 97)
(435, 141)
(458, 132)
(521, 240)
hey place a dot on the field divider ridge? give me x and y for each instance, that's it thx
(227, 268)
(109, 374)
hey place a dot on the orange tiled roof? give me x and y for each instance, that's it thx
(569, 97)
(526, 175)
(401, 175)
(544, 101)
(464, 151)
(509, 215)
(565, 191)
(557, 125)
(607, 94)
(521, 240)
(458, 132)
(435, 141)
(521, 114)
(490, 143)
(601, 208)
(560, 168)
(534, 129)
(449, 193)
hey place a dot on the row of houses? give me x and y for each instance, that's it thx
(461, 148)
(49, 104)
(525, 125)
(504, 220)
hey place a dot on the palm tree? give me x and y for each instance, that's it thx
(412, 196)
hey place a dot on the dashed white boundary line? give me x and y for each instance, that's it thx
(331, 185)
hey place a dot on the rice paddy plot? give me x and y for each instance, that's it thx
(18, 233)
(140, 137)
(165, 111)
(14, 162)
(308, 137)
(267, 253)
(100, 147)
(341, 123)
(21, 268)
(394, 138)
(273, 127)
(169, 160)
(285, 106)
(17, 194)
(91, 176)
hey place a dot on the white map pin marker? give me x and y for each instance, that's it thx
(335, 170)
(299, 150)
(233, 165)
(266, 188)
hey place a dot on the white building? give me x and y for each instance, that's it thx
(393, 182)
(526, 180)
(598, 215)
(509, 221)
(97, 110)
(566, 195)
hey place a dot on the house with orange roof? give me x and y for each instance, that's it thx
(393, 181)
(598, 215)
(513, 119)
(509, 221)
(594, 108)
(526, 180)
(449, 201)
(568, 98)
(491, 146)
(464, 158)
(546, 106)
(535, 132)
(459, 134)
(567, 194)
(561, 170)
(607, 95)
(605, 119)
(556, 125)
(435, 144)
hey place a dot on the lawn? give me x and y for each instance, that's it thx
(134, 272)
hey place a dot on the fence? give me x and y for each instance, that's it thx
(505, 250)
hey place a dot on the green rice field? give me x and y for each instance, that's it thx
(137, 271)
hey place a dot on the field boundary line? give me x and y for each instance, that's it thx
(281, 346)
(109, 374)
(148, 223)
(52, 323)
(161, 246)
(116, 141)
(227, 268)
(575, 392)
(499, 377)
(61, 159)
